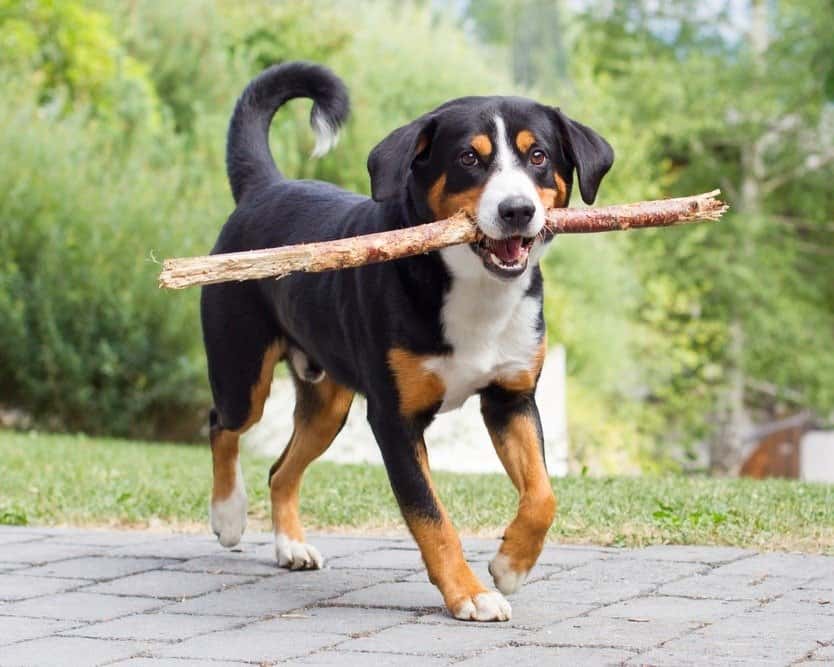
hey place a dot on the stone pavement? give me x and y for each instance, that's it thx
(71, 597)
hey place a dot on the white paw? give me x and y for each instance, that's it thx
(507, 580)
(296, 555)
(228, 517)
(489, 606)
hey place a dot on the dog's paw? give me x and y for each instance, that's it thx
(228, 516)
(507, 580)
(488, 606)
(295, 555)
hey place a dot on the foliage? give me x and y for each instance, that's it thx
(118, 132)
(86, 341)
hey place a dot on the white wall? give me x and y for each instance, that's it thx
(816, 456)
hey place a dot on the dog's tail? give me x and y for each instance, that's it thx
(248, 159)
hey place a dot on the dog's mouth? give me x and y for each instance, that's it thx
(504, 257)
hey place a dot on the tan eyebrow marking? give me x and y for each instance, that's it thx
(524, 140)
(482, 144)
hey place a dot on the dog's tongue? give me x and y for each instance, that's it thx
(507, 250)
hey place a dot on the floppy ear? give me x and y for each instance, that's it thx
(391, 159)
(591, 155)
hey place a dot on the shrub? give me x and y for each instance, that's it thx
(87, 341)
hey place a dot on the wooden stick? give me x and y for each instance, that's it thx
(385, 246)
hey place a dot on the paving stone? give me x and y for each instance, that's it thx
(165, 584)
(97, 568)
(730, 586)
(373, 604)
(390, 559)
(434, 639)
(335, 582)
(629, 569)
(78, 606)
(764, 624)
(674, 609)
(19, 587)
(803, 601)
(230, 563)
(564, 588)
(536, 656)
(340, 657)
(697, 650)
(402, 595)
(161, 627)
(824, 653)
(254, 599)
(335, 620)
(600, 631)
(170, 547)
(175, 662)
(43, 551)
(565, 557)
(694, 554)
(16, 629)
(61, 651)
(826, 582)
(528, 614)
(250, 645)
(797, 566)
(104, 538)
(13, 537)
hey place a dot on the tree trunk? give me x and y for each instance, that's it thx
(728, 446)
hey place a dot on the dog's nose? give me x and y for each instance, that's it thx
(516, 211)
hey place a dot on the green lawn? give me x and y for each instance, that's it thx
(56, 480)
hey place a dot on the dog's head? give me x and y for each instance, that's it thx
(502, 160)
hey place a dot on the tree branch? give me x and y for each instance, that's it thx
(459, 229)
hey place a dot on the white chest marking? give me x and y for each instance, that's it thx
(490, 324)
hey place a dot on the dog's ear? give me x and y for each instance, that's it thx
(592, 156)
(390, 161)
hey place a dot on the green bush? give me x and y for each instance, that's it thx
(87, 342)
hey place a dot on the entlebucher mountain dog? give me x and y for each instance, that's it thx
(416, 336)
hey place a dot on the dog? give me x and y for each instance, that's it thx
(415, 336)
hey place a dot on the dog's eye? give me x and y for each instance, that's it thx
(538, 157)
(468, 158)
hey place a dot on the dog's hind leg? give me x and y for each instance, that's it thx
(242, 348)
(320, 412)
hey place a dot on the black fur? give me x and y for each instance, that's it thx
(347, 321)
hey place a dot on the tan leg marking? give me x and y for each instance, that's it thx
(419, 389)
(465, 596)
(228, 493)
(318, 419)
(517, 446)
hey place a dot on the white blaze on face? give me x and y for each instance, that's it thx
(509, 179)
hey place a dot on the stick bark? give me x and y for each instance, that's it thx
(385, 246)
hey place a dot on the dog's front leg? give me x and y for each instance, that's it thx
(404, 453)
(512, 420)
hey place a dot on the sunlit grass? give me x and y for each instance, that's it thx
(56, 480)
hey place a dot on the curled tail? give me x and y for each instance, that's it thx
(248, 159)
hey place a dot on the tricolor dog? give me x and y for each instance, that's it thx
(416, 336)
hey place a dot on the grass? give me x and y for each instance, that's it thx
(69, 480)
